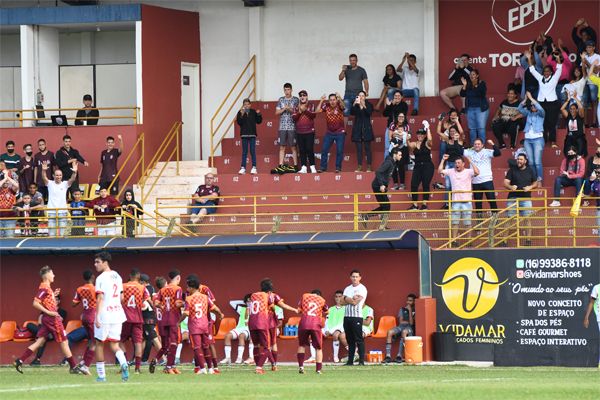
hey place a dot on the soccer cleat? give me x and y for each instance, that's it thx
(84, 370)
(225, 361)
(176, 371)
(259, 371)
(274, 368)
(319, 372)
(555, 203)
(125, 373)
(18, 365)
(301, 370)
(253, 171)
(387, 360)
(75, 370)
(100, 380)
(168, 371)
(200, 371)
(211, 371)
(152, 366)
(398, 360)
(242, 171)
(238, 361)
(303, 170)
(313, 169)
(249, 361)
(336, 360)
(217, 371)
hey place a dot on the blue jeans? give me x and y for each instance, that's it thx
(386, 142)
(563, 181)
(349, 99)
(414, 93)
(534, 149)
(476, 119)
(443, 148)
(328, 140)
(248, 142)
(390, 93)
(448, 183)
(7, 227)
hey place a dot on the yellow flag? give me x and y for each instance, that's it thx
(577, 203)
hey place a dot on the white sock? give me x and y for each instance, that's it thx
(121, 357)
(240, 354)
(313, 352)
(100, 369)
(250, 349)
(178, 352)
(336, 349)
(228, 352)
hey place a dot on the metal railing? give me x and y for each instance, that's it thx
(19, 115)
(216, 122)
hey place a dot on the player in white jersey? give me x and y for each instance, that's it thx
(241, 333)
(594, 304)
(109, 315)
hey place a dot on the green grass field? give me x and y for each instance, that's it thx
(337, 382)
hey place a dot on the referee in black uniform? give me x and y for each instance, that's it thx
(355, 296)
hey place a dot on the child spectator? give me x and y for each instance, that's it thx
(78, 214)
(24, 209)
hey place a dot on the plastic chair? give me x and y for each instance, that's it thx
(386, 323)
(292, 321)
(7, 331)
(225, 326)
(72, 325)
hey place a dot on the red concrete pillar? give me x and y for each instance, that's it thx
(426, 326)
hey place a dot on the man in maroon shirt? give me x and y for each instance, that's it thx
(104, 209)
(205, 199)
(334, 116)
(43, 156)
(8, 195)
(108, 164)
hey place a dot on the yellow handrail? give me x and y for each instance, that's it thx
(214, 131)
(139, 142)
(20, 118)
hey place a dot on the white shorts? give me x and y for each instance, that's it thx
(366, 331)
(330, 332)
(108, 332)
(235, 333)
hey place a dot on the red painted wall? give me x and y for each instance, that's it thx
(89, 140)
(169, 37)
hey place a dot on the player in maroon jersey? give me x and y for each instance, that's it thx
(213, 351)
(274, 324)
(313, 308)
(45, 303)
(135, 298)
(170, 299)
(86, 296)
(197, 308)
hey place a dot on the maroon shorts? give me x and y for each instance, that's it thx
(306, 335)
(132, 330)
(211, 332)
(89, 329)
(161, 330)
(200, 340)
(172, 334)
(54, 326)
(273, 336)
(260, 337)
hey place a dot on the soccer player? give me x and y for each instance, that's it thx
(150, 321)
(240, 332)
(109, 315)
(406, 327)
(334, 325)
(86, 296)
(197, 308)
(169, 298)
(275, 321)
(258, 323)
(135, 299)
(51, 322)
(312, 306)
(205, 290)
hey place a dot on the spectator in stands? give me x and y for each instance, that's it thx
(25, 169)
(304, 117)
(507, 119)
(78, 213)
(66, 158)
(592, 165)
(477, 107)
(286, 106)
(391, 82)
(205, 199)
(247, 118)
(406, 327)
(356, 80)
(392, 109)
(461, 70)
(362, 130)
(24, 210)
(461, 179)
(336, 133)
(88, 115)
(595, 82)
(8, 194)
(38, 198)
(410, 80)
(423, 169)
(558, 51)
(572, 172)
(582, 33)
(10, 158)
(400, 133)
(104, 207)
(108, 164)
(482, 159)
(43, 156)
(595, 190)
(57, 199)
(588, 60)
(334, 325)
(547, 96)
(454, 150)
(519, 79)
(521, 181)
(575, 126)
(576, 89)
(534, 133)
(134, 208)
(443, 128)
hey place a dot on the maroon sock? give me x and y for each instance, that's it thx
(163, 350)
(71, 362)
(88, 356)
(171, 355)
(319, 366)
(269, 356)
(215, 362)
(274, 354)
(208, 358)
(256, 354)
(26, 354)
(300, 357)
(199, 358)
(138, 362)
(262, 357)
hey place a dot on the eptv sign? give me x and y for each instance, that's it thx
(518, 22)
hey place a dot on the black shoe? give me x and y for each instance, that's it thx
(337, 171)
(444, 207)
(320, 171)
(398, 360)
(18, 365)
(361, 363)
(291, 168)
(152, 366)
(75, 370)
(412, 207)
(414, 112)
(439, 186)
(423, 207)
(35, 363)
(387, 360)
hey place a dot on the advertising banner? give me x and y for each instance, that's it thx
(495, 32)
(519, 307)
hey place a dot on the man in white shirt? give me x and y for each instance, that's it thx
(355, 296)
(588, 58)
(57, 199)
(109, 315)
(410, 79)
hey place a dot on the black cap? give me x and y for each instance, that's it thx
(590, 43)
(87, 97)
(302, 92)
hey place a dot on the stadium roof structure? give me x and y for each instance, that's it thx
(371, 240)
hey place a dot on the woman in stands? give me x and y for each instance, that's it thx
(400, 135)
(478, 109)
(443, 127)
(362, 130)
(391, 81)
(507, 119)
(132, 207)
(575, 125)
(454, 149)
(423, 170)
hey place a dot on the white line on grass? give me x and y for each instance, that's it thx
(47, 387)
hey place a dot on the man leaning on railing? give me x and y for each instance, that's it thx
(88, 115)
(8, 195)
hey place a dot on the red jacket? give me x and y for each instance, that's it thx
(106, 216)
(575, 166)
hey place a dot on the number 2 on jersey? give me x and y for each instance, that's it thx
(312, 309)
